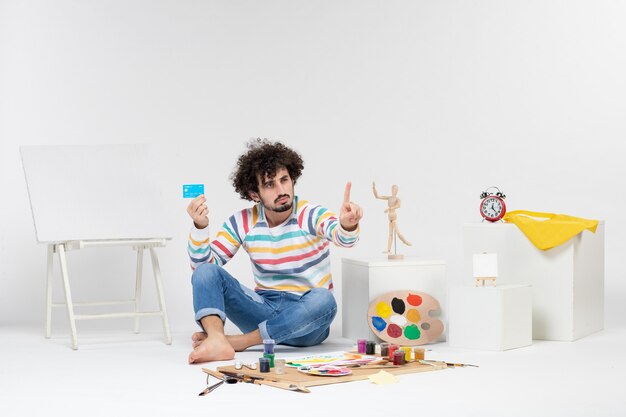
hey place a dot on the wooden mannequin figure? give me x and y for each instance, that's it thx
(393, 203)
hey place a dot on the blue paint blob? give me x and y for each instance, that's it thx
(379, 323)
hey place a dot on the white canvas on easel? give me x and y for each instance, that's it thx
(485, 267)
(90, 196)
(94, 192)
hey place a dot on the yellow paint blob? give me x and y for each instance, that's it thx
(383, 309)
(413, 315)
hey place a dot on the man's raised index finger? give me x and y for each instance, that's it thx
(346, 194)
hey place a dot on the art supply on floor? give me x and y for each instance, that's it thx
(370, 347)
(374, 365)
(240, 365)
(325, 370)
(264, 365)
(419, 353)
(407, 353)
(279, 366)
(383, 378)
(334, 358)
(295, 380)
(221, 380)
(459, 365)
(231, 377)
(392, 349)
(384, 349)
(450, 364)
(268, 345)
(361, 345)
(398, 357)
(269, 356)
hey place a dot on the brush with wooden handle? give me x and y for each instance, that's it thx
(262, 381)
(283, 385)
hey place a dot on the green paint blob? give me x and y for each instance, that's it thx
(411, 332)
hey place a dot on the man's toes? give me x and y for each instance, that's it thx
(198, 336)
(195, 356)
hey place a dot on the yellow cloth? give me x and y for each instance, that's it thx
(547, 230)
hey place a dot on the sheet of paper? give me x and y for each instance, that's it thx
(383, 378)
(333, 358)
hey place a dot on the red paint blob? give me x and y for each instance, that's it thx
(393, 330)
(414, 299)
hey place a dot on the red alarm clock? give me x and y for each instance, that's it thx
(492, 206)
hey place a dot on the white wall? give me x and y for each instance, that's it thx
(443, 98)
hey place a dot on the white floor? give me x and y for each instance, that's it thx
(120, 373)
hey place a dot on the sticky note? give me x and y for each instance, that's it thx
(192, 190)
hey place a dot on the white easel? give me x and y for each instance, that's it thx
(63, 184)
(137, 244)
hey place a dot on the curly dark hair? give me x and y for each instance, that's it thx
(264, 158)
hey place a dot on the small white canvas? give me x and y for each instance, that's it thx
(485, 265)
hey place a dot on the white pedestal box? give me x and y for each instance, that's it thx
(567, 281)
(490, 318)
(363, 280)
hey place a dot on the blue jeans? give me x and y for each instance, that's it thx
(289, 319)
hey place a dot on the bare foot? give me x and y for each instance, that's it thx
(235, 341)
(197, 338)
(215, 348)
(239, 342)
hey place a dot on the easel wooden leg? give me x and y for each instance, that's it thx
(159, 285)
(49, 291)
(68, 295)
(138, 277)
(480, 281)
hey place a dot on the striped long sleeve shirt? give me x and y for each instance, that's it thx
(293, 256)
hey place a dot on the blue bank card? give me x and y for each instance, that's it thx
(192, 190)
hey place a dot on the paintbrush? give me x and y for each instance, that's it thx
(449, 364)
(218, 375)
(372, 366)
(261, 381)
(456, 365)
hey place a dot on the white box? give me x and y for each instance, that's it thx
(567, 281)
(364, 280)
(490, 318)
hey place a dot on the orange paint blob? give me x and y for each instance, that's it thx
(413, 315)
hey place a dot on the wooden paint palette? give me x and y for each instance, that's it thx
(405, 318)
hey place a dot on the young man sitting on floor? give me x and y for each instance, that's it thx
(287, 240)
